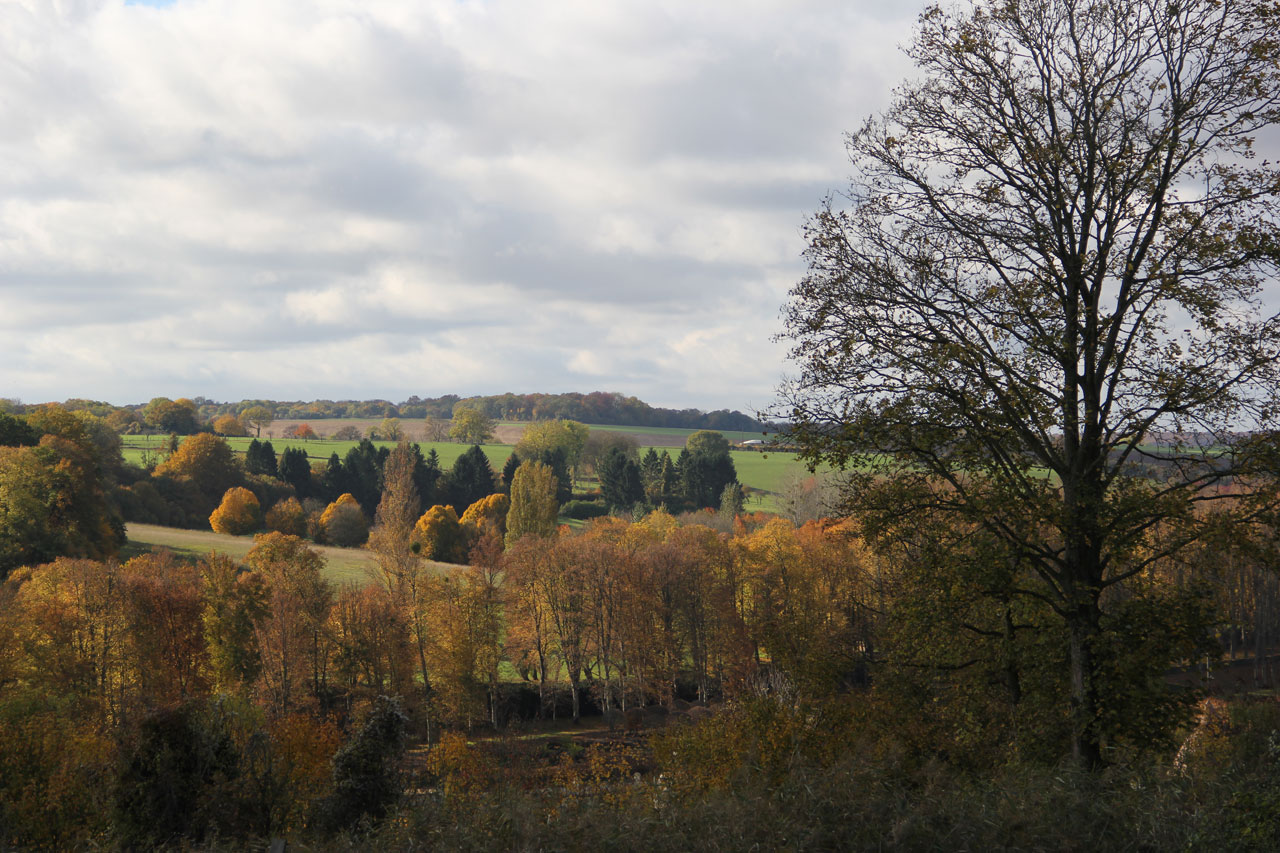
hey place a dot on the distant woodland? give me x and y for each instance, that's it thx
(597, 407)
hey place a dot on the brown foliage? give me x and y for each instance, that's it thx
(287, 516)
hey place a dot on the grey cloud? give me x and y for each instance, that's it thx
(417, 196)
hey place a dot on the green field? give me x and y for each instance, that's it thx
(320, 449)
(766, 472)
(342, 565)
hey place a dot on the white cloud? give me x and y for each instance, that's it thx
(242, 198)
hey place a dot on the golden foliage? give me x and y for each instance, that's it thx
(238, 514)
(228, 425)
(343, 522)
(488, 514)
(439, 535)
(287, 516)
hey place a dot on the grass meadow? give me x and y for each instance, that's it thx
(342, 565)
(767, 473)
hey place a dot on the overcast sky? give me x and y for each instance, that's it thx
(300, 199)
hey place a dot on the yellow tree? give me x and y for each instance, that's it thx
(71, 632)
(487, 515)
(228, 425)
(470, 426)
(533, 502)
(438, 535)
(164, 602)
(292, 635)
(542, 437)
(564, 590)
(343, 522)
(530, 640)
(287, 516)
(400, 571)
(463, 607)
(371, 650)
(238, 514)
(234, 602)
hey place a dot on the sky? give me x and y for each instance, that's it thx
(357, 199)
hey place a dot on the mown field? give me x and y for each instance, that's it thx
(342, 565)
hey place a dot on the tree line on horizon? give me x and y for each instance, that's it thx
(597, 407)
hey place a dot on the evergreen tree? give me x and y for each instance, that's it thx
(334, 482)
(295, 469)
(509, 471)
(363, 469)
(670, 478)
(260, 458)
(651, 475)
(620, 482)
(555, 459)
(470, 479)
(426, 475)
(704, 476)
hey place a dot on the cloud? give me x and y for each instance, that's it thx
(243, 198)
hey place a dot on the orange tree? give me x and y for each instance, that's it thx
(238, 514)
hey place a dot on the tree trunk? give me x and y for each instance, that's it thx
(1085, 743)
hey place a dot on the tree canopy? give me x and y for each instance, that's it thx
(1037, 309)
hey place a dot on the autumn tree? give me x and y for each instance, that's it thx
(487, 516)
(73, 633)
(258, 417)
(16, 432)
(228, 425)
(564, 592)
(470, 426)
(439, 535)
(172, 416)
(206, 464)
(435, 429)
(163, 606)
(390, 430)
(542, 438)
(238, 514)
(1051, 262)
(344, 523)
(530, 639)
(287, 516)
(234, 602)
(533, 502)
(400, 570)
(707, 441)
(291, 632)
(52, 503)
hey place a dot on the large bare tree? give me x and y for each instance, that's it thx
(1048, 278)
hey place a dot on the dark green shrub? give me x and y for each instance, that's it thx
(584, 509)
(366, 773)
